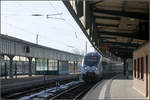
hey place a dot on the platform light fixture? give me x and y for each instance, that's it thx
(132, 19)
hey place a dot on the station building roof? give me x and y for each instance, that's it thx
(120, 25)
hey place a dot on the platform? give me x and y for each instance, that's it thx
(19, 83)
(116, 88)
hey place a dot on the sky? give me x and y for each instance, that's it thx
(59, 31)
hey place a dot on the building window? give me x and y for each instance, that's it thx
(142, 67)
(53, 65)
(134, 67)
(138, 68)
(41, 65)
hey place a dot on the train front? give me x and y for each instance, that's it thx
(91, 67)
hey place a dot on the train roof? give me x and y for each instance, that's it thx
(93, 54)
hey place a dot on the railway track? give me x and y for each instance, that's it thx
(76, 92)
(30, 90)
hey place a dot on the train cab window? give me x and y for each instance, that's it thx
(91, 60)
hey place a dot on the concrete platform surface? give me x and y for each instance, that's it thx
(116, 88)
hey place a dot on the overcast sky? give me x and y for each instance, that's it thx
(59, 32)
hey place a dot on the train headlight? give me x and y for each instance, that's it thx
(96, 68)
(85, 68)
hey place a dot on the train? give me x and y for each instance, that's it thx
(91, 68)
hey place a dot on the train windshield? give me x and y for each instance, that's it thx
(91, 60)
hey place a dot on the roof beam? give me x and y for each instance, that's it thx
(128, 35)
(122, 53)
(108, 17)
(121, 50)
(120, 43)
(126, 55)
(116, 33)
(108, 38)
(108, 25)
(137, 15)
(116, 47)
(97, 2)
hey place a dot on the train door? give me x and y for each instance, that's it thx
(146, 76)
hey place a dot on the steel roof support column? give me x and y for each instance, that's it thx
(35, 65)
(67, 64)
(5, 70)
(74, 66)
(58, 67)
(87, 15)
(124, 66)
(30, 66)
(11, 66)
(47, 66)
(16, 69)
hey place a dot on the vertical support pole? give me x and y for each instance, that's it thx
(127, 69)
(11, 67)
(16, 70)
(30, 66)
(124, 66)
(5, 70)
(47, 66)
(58, 67)
(68, 66)
(74, 67)
(77, 66)
(35, 65)
(23, 65)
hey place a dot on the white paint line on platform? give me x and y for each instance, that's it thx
(103, 91)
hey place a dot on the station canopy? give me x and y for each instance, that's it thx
(122, 25)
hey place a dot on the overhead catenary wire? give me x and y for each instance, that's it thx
(58, 13)
(69, 24)
(43, 35)
(27, 9)
(34, 34)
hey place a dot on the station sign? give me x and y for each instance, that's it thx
(105, 47)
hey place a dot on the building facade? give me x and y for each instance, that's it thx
(141, 71)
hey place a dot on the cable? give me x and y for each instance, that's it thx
(34, 34)
(24, 30)
(53, 7)
(64, 20)
(18, 28)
